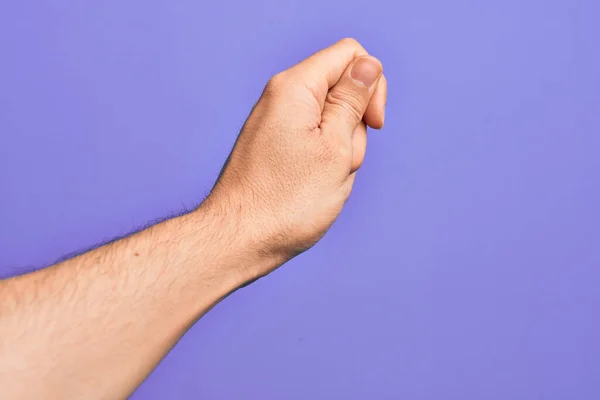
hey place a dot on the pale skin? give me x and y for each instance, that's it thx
(96, 325)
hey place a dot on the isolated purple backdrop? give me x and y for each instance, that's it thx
(466, 264)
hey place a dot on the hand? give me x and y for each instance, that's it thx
(295, 160)
(111, 314)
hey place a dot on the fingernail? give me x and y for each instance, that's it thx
(366, 71)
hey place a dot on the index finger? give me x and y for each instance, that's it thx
(323, 70)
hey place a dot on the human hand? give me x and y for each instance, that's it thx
(294, 163)
(285, 182)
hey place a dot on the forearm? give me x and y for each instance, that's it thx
(96, 325)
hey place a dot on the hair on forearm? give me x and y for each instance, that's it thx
(12, 272)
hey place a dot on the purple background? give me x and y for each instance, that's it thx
(465, 265)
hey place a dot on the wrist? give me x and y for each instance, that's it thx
(235, 241)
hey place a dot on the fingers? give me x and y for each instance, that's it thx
(375, 114)
(322, 70)
(347, 101)
(359, 146)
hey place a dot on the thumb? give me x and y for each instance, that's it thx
(348, 99)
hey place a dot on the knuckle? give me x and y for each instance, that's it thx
(350, 42)
(276, 84)
(273, 86)
(280, 84)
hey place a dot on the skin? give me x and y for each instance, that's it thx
(96, 325)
